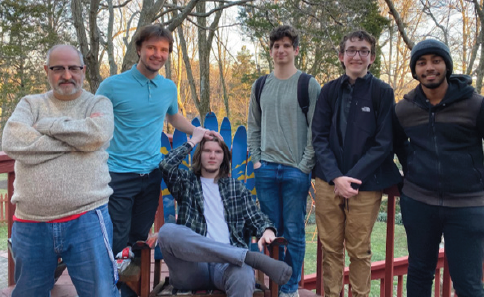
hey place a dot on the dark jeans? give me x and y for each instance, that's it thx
(132, 208)
(463, 230)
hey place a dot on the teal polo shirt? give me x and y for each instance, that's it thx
(139, 106)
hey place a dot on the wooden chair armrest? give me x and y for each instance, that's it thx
(278, 241)
(150, 243)
(273, 247)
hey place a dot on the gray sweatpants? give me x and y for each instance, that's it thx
(196, 262)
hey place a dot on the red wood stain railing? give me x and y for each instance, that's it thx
(7, 166)
(385, 271)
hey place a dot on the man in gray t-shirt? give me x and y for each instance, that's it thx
(279, 141)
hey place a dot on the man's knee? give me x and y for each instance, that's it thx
(167, 231)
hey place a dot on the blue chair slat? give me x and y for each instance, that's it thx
(211, 122)
(226, 132)
(239, 154)
(180, 138)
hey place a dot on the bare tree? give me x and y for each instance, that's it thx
(89, 47)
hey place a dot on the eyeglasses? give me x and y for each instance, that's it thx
(72, 69)
(352, 53)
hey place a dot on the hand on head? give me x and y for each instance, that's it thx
(209, 134)
(199, 133)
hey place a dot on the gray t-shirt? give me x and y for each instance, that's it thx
(280, 134)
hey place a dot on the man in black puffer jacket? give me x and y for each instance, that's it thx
(438, 132)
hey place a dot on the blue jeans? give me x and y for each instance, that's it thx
(84, 244)
(463, 230)
(282, 192)
(223, 265)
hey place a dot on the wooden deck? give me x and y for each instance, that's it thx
(64, 287)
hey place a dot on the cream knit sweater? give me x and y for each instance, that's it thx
(59, 148)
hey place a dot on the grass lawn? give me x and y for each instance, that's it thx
(3, 236)
(378, 246)
(3, 176)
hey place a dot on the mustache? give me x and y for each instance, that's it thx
(424, 75)
(63, 81)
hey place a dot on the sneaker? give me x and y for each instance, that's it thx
(126, 253)
(122, 264)
(292, 294)
(123, 259)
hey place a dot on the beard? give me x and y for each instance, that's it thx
(432, 85)
(65, 91)
(150, 69)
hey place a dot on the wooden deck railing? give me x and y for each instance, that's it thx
(385, 271)
(7, 166)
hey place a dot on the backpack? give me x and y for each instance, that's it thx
(302, 92)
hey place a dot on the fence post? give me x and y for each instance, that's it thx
(389, 258)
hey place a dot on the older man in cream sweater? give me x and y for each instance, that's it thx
(58, 140)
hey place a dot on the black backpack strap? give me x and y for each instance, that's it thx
(259, 85)
(303, 93)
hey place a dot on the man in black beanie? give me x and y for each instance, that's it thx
(438, 132)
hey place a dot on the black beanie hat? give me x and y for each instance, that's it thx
(431, 46)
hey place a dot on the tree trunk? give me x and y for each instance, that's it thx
(186, 60)
(222, 77)
(480, 69)
(90, 54)
(178, 82)
(113, 68)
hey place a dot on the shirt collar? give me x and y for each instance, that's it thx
(143, 80)
(346, 78)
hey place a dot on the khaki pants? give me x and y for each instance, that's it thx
(346, 222)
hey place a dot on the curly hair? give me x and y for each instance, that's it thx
(280, 32)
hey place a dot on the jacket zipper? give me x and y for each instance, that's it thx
(439, 165)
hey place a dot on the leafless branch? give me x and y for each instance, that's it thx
(400, 24)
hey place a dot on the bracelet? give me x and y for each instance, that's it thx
(191, 143)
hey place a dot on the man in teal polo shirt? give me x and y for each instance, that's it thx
(141, 98)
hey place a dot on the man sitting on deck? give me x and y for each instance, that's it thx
(206, 248)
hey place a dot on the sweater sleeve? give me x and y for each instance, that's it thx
(254, 128)
(88, 134)
(24, 143)
(308, 159)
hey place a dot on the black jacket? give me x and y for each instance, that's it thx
(367, 151)
(440, 147)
